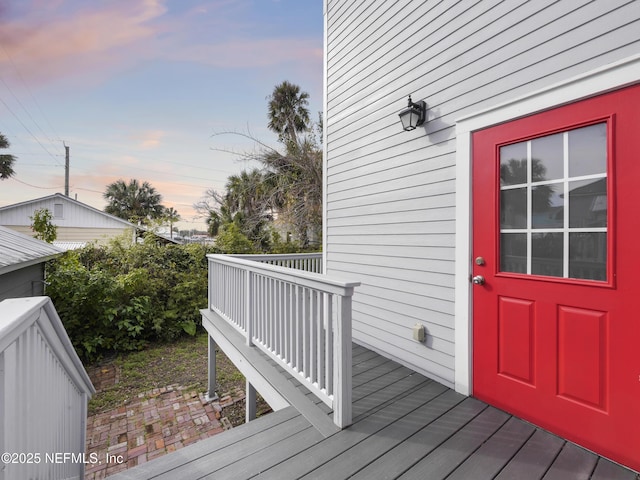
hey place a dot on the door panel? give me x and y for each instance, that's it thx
(516, 346)
(555, 217)
(583, 356)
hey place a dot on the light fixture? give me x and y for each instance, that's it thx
(414, 115)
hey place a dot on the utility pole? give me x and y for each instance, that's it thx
(66, 170)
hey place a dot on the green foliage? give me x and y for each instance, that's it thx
(6, 160)
(232, 240)
(134, 201)
(123, 297)
(286, 187)
(278, 246)
(43, 226)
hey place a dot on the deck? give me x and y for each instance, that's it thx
(404, 426)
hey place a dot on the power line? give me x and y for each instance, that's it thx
(15, 67)
(30, 132)
(161, 173)
(36, 186)
(85, 189)
(37, 164)
(25, 109)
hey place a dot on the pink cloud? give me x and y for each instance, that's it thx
(259, 52)
(66, 39)
(148, 139)
(51, 43)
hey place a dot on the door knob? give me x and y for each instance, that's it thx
(478, 280)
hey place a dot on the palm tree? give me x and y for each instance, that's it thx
(133, 201)
(294, 181)
(6, 160)
(172, 216)
(247, 201)
(288, 112)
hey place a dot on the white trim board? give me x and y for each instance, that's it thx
(596, 82)
(325, 119)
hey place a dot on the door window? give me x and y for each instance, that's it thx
(553, 205)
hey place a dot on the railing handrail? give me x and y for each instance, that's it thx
(306, 279)
(276, 256)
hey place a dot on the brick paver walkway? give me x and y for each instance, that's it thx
(157, 422)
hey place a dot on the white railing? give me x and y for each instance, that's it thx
(301, 319)
(44, 394)
(309, 262)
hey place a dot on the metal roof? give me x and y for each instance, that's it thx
(18, 250)
(70, 245)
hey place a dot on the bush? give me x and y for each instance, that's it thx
(122, 297)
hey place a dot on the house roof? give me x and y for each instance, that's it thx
(64, 198)
(69, 245)
(19, 251)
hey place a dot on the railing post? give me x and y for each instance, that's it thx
(251, 405)
(210, 289)
(249, 308)
(211, 393)
(342, 365)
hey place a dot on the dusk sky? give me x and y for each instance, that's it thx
(143, 88)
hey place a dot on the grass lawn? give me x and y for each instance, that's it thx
(183, 362)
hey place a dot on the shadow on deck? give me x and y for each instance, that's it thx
(405, 426)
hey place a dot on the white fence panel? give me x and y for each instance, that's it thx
(45, 390)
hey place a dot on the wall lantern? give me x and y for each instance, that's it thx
(414, 115)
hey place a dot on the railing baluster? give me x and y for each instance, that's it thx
(328, 345)
(320, 339)
(281, 307)
(297, 318)
(249, 307)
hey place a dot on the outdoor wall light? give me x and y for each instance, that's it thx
(414, 115)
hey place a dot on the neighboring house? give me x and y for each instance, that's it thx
(77, 223)
(22, 261)
(535, 317)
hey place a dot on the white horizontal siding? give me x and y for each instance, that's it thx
(390, 195)
(73, 214)
(102, 236)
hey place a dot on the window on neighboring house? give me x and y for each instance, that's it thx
(58, 210)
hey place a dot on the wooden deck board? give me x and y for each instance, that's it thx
(607, 470)
(457, 413)
(534, 458)
(237, 453)
(442, 461)
(252, 464)
(573, 463)
(354, 459)
(335, 447)
(495, 453)
(197, 451)
(405, 426)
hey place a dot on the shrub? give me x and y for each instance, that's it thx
(43, 226)
(122, 297)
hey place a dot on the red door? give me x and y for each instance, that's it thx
(556, 245)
